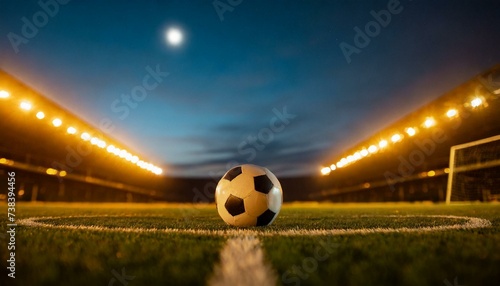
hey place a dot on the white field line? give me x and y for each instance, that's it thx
(470, 223)
(242, 263)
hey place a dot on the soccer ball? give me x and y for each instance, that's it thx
(248, 195)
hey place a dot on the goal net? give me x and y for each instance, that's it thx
(475, 171)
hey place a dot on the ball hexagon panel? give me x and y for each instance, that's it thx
(234, 205)
(266, 218)
(262, 184)
(256, 204)
(233, 173)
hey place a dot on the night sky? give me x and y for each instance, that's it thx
(262, 82)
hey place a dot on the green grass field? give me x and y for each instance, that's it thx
(91, 244)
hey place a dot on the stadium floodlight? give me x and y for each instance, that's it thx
(357, 155)
(85, 136)
(350, 159)
(333, 167)
(56, 122)
(26, 105)
(159, 171)
(128, 157)
(135, 159)
(476, 102)
(429, 122)
(364, 152)
(431, 173)
(71, 130)
(94, 141)
(111, 148)
(51, 171)
(325, 171)
(4, 94)
(40, 115)
(101, 144)
(396, 138)
(382, 143)
(117, 151)
(372, 149)
(122, 153)
(411, 131)
(452, 113)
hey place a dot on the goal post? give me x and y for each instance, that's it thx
(474, 171)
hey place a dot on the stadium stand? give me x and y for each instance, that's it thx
(59, 157)
(409, 160)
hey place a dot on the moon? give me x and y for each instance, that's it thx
(174, 36)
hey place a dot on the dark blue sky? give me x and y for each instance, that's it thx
(229, 75)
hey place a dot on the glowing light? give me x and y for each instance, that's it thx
(382, 143)
(325, 171)
(431, 173)
(111, 148)
(101, 144)
(372, 149)
(411, 131)
(5, 161)
(4, 94)
(85, 136)
(94, 141)
(357, 155)
(476, 102)
(123, 153)
(71, 130)
(51, 171)
(396, 138)
(26, 105)
(429, 122)
(451, 113)
(56, 122)
(20, 193)
(62, 174)
(174, 36)
(447, 170)
(158, 171)
(350, 159)
(117, 151)
(40, 115)
(135, 159)
(128, 157)
(364, 152)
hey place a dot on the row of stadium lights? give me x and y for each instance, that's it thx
(395, 138)
(85, 136)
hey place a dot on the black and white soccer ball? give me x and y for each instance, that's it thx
(248, 195)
